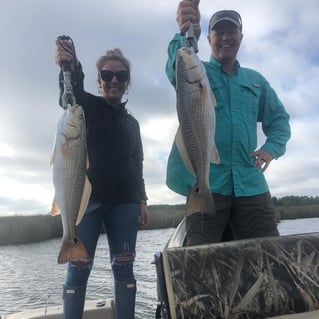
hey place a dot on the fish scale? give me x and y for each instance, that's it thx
(72, 188)
(195, 136)
(73, 181)
(193, 120)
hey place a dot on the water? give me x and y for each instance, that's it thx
(31, 278)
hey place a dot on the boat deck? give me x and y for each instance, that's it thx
(306, 315)
(93, 310)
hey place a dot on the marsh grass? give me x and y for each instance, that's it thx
(24, 229)
(294, 212)
(165, 216)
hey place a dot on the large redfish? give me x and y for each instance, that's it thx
(195, 136)
(72, 187)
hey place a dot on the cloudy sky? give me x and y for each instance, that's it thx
(280, 41)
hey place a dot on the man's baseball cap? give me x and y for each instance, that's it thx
(228, 15)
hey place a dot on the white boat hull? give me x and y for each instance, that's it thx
(92, 310)
(306, 315)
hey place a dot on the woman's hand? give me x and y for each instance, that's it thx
(144, 215)
(65, 52)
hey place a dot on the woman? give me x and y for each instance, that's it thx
(118, 198)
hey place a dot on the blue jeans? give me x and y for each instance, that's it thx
(121, 226)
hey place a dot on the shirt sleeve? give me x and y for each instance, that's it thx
(275, 122)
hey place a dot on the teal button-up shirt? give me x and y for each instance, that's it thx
(244, 98)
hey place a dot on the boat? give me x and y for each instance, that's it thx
(275, 277)
(100, 309)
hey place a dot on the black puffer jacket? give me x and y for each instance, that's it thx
(114, 147)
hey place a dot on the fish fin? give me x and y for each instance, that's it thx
(87, 161)
(214, 103)
(64, 149)
(181, 147)
(73, 251)
(206, 92)
(53, 156)
(200, 200)
(214, 156)
(84, 200)
(55, 209)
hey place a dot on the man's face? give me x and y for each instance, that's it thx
(225, 39)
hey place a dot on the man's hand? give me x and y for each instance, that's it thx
(187, 13)
(263, 159)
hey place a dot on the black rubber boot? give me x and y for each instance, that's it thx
(73, 301)
(125, 292)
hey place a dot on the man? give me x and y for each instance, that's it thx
(244, 97)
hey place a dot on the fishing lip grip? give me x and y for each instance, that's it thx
(190, 38)
(68, 97)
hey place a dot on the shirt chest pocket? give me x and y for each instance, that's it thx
(248, 102)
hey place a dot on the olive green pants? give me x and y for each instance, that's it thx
(248, 217)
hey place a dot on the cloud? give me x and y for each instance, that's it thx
(279, 41)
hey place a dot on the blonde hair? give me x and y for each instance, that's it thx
(113, 54)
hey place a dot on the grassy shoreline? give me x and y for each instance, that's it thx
(25, 229)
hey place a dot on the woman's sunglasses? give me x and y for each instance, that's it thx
(107, 76)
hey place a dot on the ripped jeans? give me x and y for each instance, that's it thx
(121, 226)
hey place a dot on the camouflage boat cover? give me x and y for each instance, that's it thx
(247, 279)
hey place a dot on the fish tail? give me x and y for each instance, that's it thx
(73, 251)
(200, 200)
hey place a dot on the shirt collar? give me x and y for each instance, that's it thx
(219, 66)
(117, 107)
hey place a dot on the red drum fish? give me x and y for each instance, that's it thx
(72, 187)
(195, 136)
